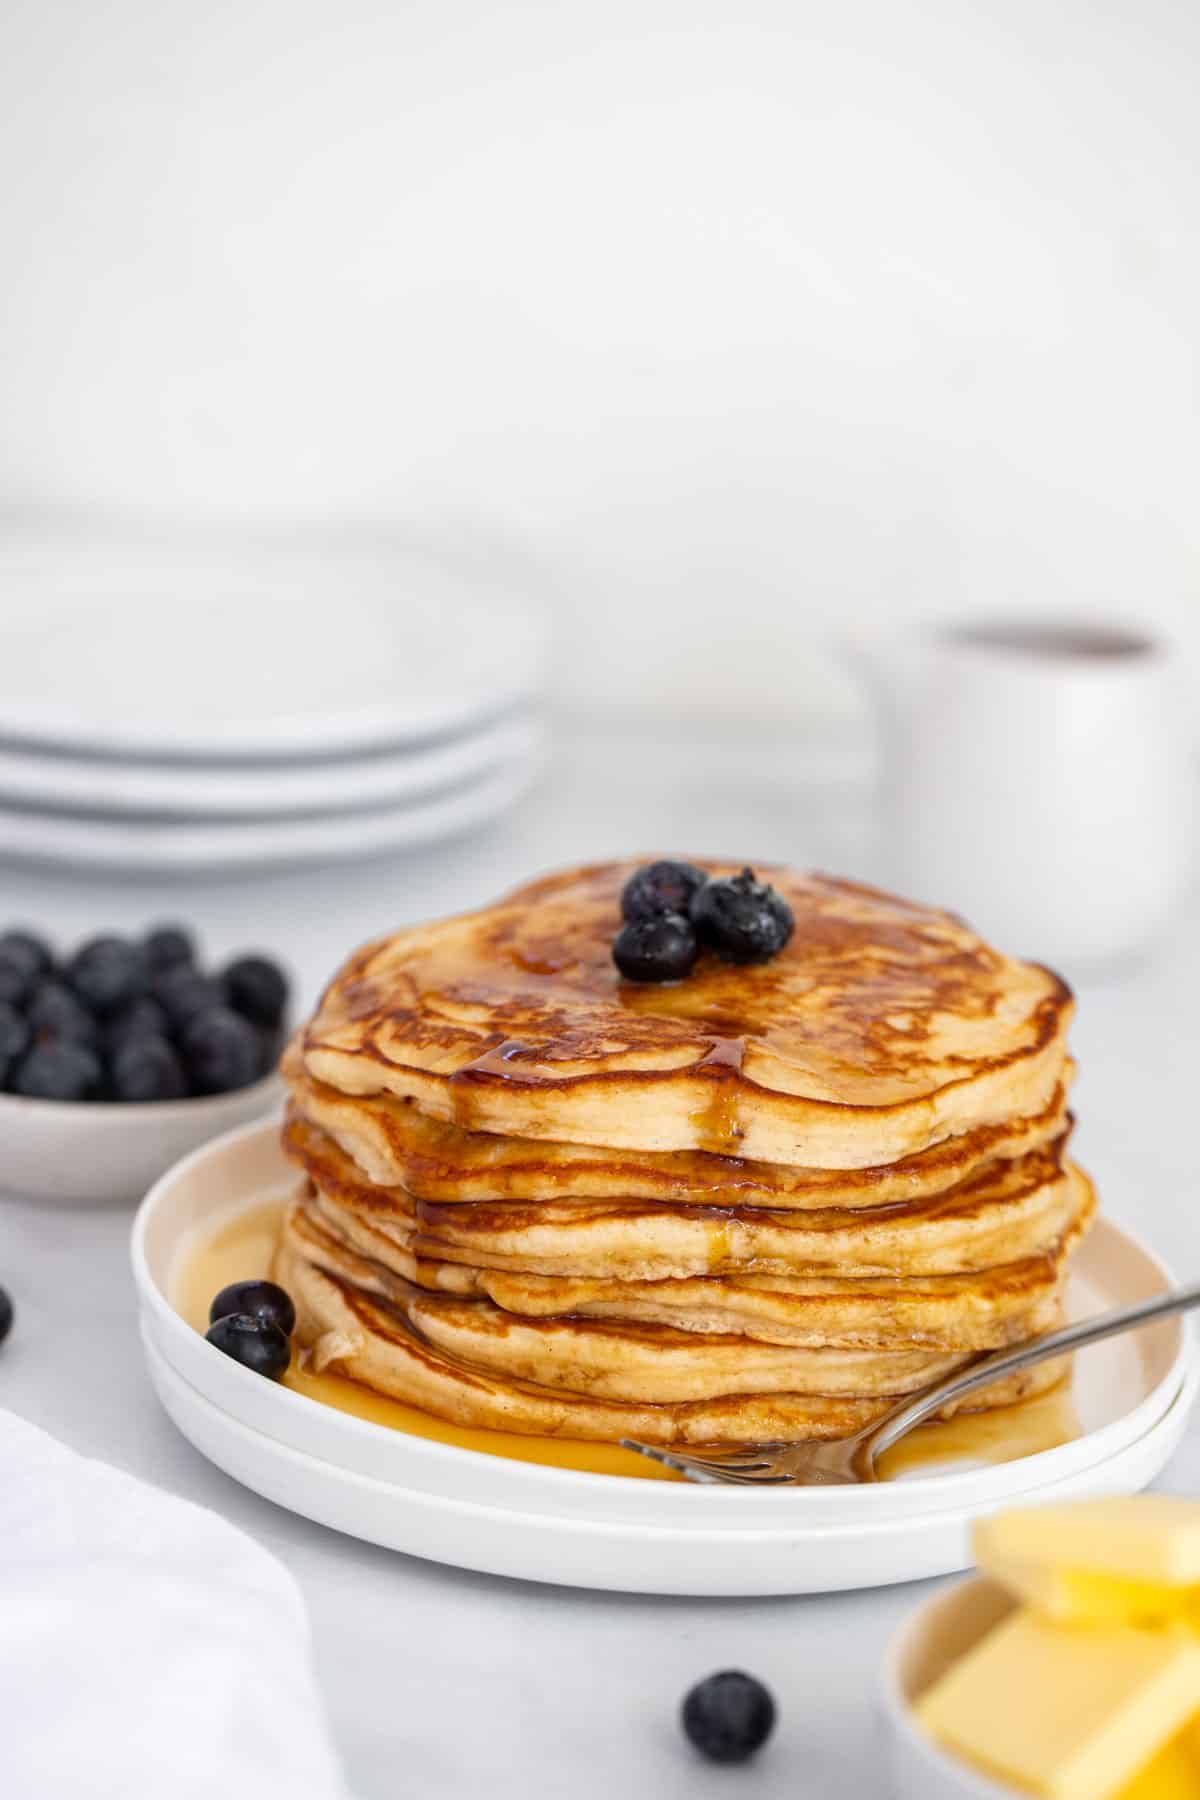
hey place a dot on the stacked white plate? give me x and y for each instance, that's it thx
(170, 711)
(1131, 1395)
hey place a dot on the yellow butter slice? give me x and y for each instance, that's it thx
(1174, 1774)
(1152, 1538)
(1064, 1713)
(1086, 1597)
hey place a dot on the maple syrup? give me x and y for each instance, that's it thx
(718, 1129)
(243, 1246)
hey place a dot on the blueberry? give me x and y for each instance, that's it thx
(54, 1011)
(742, 919)
(270, 1050)
(167, 946)
(661, 887)
(6, 1314)
(659, 949)
(222, 1051)
(255, 1343)
(729, 1716)
(147, 1068)
(142, 1018)
(107, 973)
(15, 1039)
(58, 1070)
(16, 978)
(257, 988)
(259, 1300)
(23, 946)
(183, 993)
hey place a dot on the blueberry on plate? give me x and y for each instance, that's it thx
(142, 1018)
(184, 993)
(146, 1068)
(255, 1343)
(663, 948)
(661, 887)
(108, 973)
(264, 1300)
(728, 1716)
(33, 951)
(6, 1314)
(55, 1011)
(222, 1051)
(16, 1035)
(58, 1070)
(742, 919)
(167, 946)
(257, 988)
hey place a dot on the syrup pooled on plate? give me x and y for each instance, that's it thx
(243, 1246)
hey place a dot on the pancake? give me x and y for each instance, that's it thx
(950, 1312)
(396, 1145)
(367, 1339)
(761, 1203)
(882, 1029)
(619, 1360)
(1008, 1211)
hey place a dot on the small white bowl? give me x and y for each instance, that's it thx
(936, 1635)
(98, 1153)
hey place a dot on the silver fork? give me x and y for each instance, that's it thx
(850, 1460)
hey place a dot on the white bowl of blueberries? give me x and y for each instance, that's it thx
(121, 1056)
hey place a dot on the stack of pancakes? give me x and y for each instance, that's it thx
(760, 1203)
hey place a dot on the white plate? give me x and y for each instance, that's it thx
(559, 1525)
(185, 848)
(112, 785)
(134, 648)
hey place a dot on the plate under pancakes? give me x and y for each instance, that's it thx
(761, 1202)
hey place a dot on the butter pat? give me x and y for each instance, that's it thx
(1071, 1715)
(1099, 1561)
(1174, 1774)
(1083, 1597)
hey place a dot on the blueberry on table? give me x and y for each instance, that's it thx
(264, 1300)
(107, 973)
(54, 1011)
(184, 993)
(25, 947)
(221, 1051)
(58, 1070)
(255, 1343)
(16, 1035)
(742, 919)
(168, 946)
(662, 948)
(661, 887)
(729, 1716)
(147, 1069)
(257, 988)
(142, 1018)
(6, 1314)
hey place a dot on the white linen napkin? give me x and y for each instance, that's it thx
(147, 1647)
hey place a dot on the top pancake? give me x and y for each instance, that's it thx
(882, 1029)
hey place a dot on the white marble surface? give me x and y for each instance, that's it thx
(439, 1682)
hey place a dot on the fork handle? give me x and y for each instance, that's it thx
(896, 1424)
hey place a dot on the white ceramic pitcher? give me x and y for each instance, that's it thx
(1037, 778)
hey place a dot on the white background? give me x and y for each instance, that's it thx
(745, 321)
